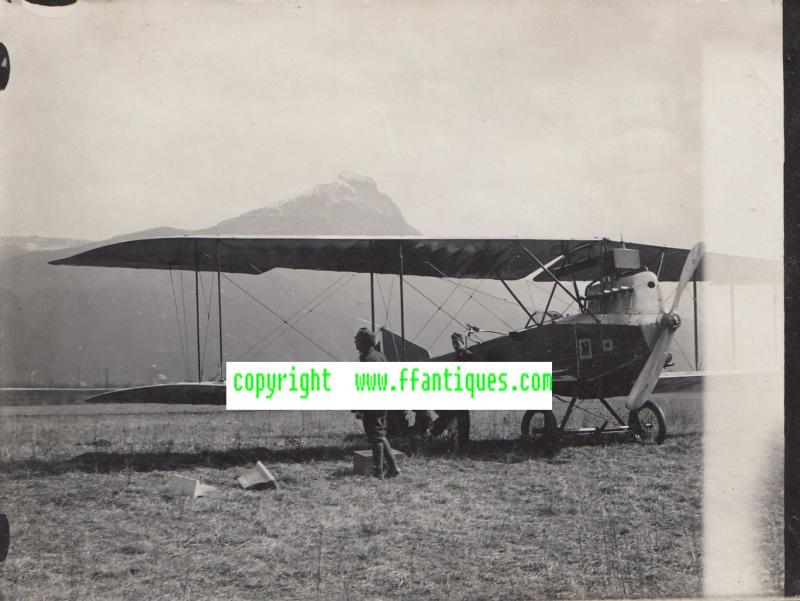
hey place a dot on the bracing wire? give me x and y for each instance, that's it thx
(459, 284)
(528, 287)
(439, 307)
(331, 289)
(207, 306)
(311, 309)
(493, 314)
(258, 345)
(700, 315)
(389, 306)
(386, 321)
(683, 352)
(185, 325)
(447, 325)
(580, 407)
(259, 341)
(178, 324)
(283, 319)
(464, 304)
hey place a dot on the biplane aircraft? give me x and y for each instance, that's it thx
(615, 346)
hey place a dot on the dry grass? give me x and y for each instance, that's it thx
(92, 517)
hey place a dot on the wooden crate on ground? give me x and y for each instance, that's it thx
(362, 461)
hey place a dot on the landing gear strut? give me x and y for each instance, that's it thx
(646, 425)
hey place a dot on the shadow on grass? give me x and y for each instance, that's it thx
(106, 462)
(496, 450)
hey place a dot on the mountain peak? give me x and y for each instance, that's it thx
(352, 205)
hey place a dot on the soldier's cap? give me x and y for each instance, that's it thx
(366, 334)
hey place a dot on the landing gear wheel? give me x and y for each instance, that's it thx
(648, 424)
(540, 428)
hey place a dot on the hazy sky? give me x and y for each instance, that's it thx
(656, 120)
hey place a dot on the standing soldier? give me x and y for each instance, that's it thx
(375, 421)
(447, 420)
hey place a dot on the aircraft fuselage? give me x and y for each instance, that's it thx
(597, 353)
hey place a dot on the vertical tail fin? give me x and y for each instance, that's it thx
(392, 345)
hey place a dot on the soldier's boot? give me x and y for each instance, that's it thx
(377, 459)
(392, 471)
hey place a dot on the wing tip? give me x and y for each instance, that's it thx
(71, 260)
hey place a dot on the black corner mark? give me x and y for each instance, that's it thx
(51, 2)
(791, 224)
(5, 66)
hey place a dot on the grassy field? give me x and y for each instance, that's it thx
(93, 518)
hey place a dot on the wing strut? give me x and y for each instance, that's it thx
(402, 312)
(519, 302)
(197, 312)
(733, 324)
(372, 298)
(544, 268)
(694, 303)
(219, 312)
(547, 306)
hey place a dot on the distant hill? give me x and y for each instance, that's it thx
(62, 325)
(11, 246)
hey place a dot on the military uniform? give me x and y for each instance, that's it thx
(447, 420)
(375, 421)
(372, 355)
(423, 420)
(397, 423)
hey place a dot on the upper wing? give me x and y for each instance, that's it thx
(492, 258)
